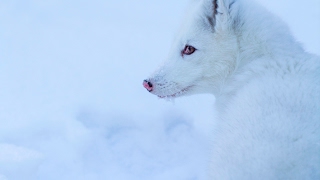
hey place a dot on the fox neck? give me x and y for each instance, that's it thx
(261, 34)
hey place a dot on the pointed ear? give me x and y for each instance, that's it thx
(223, 6)
(217, 10)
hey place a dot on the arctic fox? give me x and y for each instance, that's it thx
(267, 90)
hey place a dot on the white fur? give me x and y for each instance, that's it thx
(267, 90)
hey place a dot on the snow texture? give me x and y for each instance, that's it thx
(72, 105)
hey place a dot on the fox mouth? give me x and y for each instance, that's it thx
(177, 94)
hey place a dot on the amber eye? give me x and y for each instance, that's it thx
(188, 50)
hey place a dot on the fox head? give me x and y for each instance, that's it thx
(203, 54)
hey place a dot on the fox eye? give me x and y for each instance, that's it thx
(188, 50)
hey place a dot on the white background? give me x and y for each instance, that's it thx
(72, 105)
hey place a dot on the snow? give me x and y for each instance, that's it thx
(72, 104)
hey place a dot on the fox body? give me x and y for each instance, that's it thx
(267, 90)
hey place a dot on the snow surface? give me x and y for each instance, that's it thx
(72, 104)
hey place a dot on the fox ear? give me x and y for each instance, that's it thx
(217, 10)
(220, 6)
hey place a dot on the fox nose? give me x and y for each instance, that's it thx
(148, 85)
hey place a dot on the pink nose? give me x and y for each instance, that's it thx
(147, 85)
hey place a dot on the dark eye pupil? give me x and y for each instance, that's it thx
(188, 50)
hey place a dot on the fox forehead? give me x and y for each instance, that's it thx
(193, 35)
(196, 29)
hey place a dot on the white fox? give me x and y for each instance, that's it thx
(267, 90)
